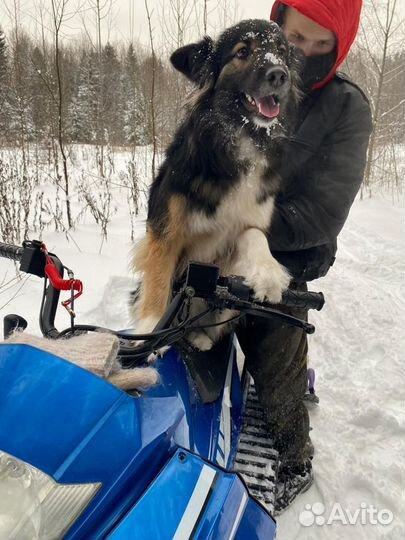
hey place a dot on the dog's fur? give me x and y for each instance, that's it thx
(213, 198)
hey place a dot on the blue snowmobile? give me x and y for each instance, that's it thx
(189, 458)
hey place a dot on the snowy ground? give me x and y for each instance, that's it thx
(358, 352)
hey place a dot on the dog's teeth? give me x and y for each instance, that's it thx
(250, 99)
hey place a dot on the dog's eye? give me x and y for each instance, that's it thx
(243, 53)
(282, 49)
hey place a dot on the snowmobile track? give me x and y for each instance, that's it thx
(257, 460)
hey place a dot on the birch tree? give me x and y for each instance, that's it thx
(377, 63)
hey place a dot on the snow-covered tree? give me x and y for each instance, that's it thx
(110, 93)
(83, 108)
(136, 125)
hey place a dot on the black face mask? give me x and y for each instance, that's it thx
(315, 69)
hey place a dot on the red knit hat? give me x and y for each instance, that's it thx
(342, 17)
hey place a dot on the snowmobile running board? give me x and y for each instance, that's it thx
(257, 460)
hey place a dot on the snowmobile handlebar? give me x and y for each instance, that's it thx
(232, 292)
(8, 251)
(201, 281)
(219, 293)
(290, 298)
(32, 261)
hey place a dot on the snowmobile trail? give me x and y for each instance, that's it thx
(359, 428)
(377, 262)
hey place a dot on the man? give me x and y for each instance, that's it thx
(322, 171)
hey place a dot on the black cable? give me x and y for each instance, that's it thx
(178, 332)
(169, 339)
(236, 318)
(121, 335)
(139, 353)
(43, 298)
(124, 336)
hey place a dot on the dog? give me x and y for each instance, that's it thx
(213, 198)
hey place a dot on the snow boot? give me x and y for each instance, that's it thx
(310, 397)
(309, 448)
(291, 481)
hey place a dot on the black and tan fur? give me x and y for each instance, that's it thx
(213, 198)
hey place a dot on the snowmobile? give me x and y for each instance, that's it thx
(188, 458)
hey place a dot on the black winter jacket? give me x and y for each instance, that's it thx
(322, 170)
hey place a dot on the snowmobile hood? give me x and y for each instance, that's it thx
(342, 17)
(79, 429)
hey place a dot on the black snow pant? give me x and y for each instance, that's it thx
(276, 358)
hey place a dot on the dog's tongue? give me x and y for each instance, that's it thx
(268, 107)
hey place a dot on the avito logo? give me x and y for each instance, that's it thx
(315, 514)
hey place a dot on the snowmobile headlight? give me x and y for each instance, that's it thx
(35, 507)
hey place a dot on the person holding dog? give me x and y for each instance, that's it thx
(323, 166)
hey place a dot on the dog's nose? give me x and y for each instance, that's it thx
(276, 76)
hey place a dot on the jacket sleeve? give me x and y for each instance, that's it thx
(313, 211)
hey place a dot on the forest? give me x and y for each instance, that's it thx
(123, 96)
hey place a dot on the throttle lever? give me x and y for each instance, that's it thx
(273, 313)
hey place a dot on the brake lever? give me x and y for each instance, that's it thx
(261, 311)
(225, 300)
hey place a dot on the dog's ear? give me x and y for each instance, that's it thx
(192, 60)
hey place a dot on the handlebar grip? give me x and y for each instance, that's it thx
(291, 298)
(9, 251)
(302, 299)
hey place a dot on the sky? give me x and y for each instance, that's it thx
(245, 9)
(128, 17)
(126, 20)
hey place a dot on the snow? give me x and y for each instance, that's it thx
(358, 354)
(273, 58)
(357, 351)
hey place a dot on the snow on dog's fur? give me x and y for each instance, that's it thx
(213, 198)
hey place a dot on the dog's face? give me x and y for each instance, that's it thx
(251, 68)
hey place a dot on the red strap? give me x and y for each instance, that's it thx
(58, 282)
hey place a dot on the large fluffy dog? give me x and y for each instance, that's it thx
(213, 198)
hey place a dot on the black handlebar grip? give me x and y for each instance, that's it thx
(8, 251)
(291, 298)
(302, 299)
(13, 322)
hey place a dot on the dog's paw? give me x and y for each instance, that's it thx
(200, 341)
(156, 355)
(268, 279)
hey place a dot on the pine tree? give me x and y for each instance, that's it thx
(40, 88)
(20, 128)
(110, 92)
(83, 109)
(134, 103)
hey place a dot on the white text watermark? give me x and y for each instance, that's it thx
(366, 514)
